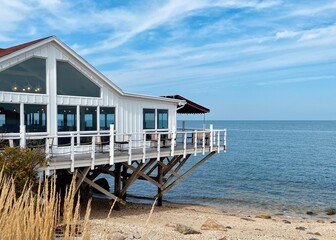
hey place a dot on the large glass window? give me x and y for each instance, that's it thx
(72, 82)
(67, 118)
(35, 118)
(28, 76)
(162, 119)
(149, 119)
(106, 117)
(88, 118)
(9, 118)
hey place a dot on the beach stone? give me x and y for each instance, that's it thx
(264, 216)
(117, 236)
(301, 228)
(173, 225)
(316, 233)
(333, 222)
(137, 235)
(286, 221)
(331, 211)
(313, 239)
(310, 213)
(228, 227)
(211, 224)
(186, 230)
(320, 221)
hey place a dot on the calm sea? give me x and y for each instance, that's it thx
(274, 165)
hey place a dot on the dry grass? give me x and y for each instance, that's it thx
(38, 216)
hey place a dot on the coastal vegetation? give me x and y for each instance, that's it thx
(31, 209)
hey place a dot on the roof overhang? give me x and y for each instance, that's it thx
(190, 107)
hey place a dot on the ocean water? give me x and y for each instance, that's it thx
(287, 166)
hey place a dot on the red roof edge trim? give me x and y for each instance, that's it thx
(6, 51)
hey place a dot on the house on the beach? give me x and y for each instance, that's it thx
(51, 98)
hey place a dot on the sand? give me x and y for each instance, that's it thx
(244, 224)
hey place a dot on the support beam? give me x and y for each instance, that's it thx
(81, 177)
(100, 189)
(166, 189)
(123, 184)
(160, 173)
(117, 179)
(131, 179)
(144, 175)
(176, 170)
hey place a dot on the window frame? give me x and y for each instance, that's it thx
(160, 111)
(144, 118)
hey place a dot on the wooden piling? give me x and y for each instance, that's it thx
(124, 177)
(160, 176)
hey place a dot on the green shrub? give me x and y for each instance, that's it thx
(22, 164)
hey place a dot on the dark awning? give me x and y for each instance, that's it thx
(190, 107)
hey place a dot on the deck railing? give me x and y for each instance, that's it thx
(109, 141)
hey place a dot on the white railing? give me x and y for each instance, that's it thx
(93, 142)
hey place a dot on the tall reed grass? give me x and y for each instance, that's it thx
(31, 216)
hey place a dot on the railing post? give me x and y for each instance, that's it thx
(72, 150)
(144, 148)
(185, 145)
(111, 144)
(195, 142)
(203, 143)
(218, 141)
(93, 153)
(172, 142)
(129, 149)
(158, 146)
(211, 137)
(23, 136)
(47, 148)
(225, 140)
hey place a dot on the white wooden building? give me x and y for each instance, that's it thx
(51, 96)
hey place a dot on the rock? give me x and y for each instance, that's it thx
(228, 227)
(333, 222)
(301, 228)
(313, 239)
(311, 213)
(320, 221)
(137, 235)
(286, 221)
(223, 238)
(247, 219)
(331, 211)
(211, 224)
(130, 236)
(264, 216)
(186, 230)
(316, 233)
(117, 236)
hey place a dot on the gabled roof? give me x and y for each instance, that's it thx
(190, 107)
(6, 51)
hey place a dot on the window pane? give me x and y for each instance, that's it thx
(72, 82)
(67, 118)
(88, 118)
(28, 76)
(9, 118)
(149, 119)
(106, 117)
(162, 120)
(35, 118)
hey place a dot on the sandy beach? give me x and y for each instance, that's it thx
(132, 222)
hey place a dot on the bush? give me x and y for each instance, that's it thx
(22, 164)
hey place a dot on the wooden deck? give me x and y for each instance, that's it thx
(123, 156)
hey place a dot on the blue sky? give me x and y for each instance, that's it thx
(249, 59)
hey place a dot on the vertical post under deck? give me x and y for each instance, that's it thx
(111, 144)
(123, 184)
(117, 179)
(160, 178)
